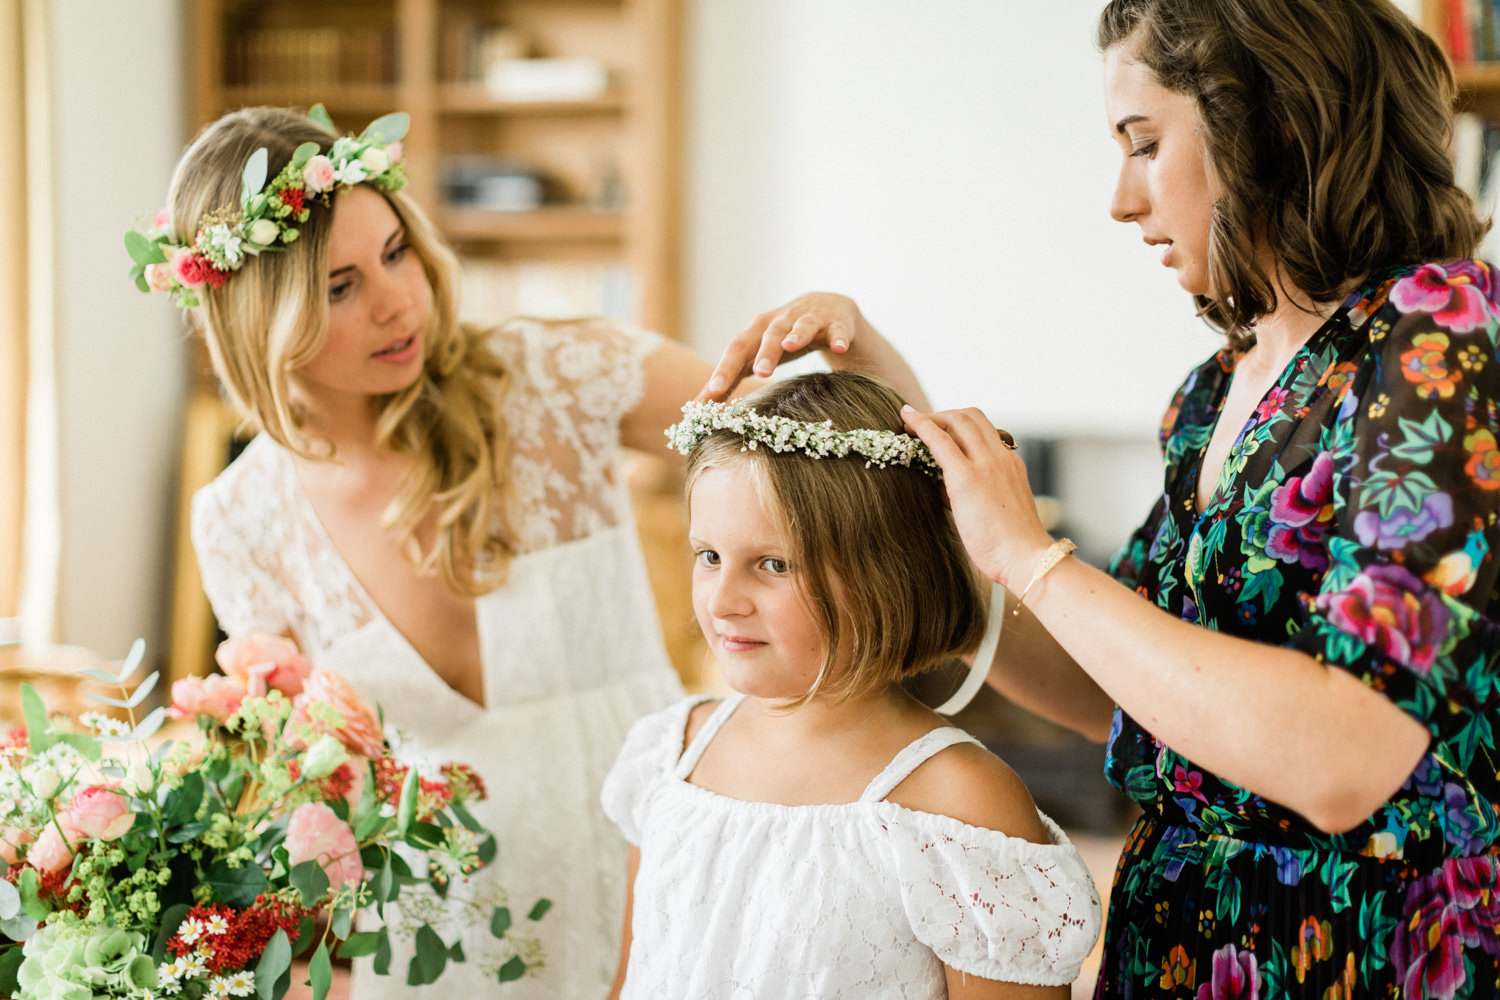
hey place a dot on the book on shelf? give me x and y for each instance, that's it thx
(312, 57)
(492, 291)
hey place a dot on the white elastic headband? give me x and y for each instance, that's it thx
(983, 657)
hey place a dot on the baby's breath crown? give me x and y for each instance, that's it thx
(783, 434)
(268, 215)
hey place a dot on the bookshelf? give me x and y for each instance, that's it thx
(571, 100)
(1478, 77)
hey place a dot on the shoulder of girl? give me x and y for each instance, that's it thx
(697, 716)
(968, 783)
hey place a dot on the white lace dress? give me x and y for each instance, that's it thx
(864, 900)
(571, 646)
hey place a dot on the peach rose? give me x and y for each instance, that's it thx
(315, 833)
(218, 696)
(159, 277)
(100, 813)
(317, 174)
(261, 661)
(12, 839)
(360, 732)
(51, 852)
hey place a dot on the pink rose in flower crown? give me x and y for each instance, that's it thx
(315, 833)
(162, 220)
(217, 696)
(360, 732)
(101, 813)
(318, 174)
(262, 661)
(51, 852)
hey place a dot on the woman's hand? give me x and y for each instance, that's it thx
(814, 321)
(988, 491)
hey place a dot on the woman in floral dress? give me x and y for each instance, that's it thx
(1298, 681)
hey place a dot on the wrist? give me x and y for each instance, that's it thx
(1044, 562)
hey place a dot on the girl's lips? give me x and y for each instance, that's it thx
(401, 352)
(738, 644)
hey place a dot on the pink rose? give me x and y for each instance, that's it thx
(51, 852)
(12, 839)
(395, 151)
(218, 696)
(261, 661)
(360, 732)
(317, 174)
(159, 277)
(100, 813)
(315, 833)
(163, 219)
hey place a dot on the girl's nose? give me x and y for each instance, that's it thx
(728, 597)
(1126, 205)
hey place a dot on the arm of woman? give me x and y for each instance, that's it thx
(633, 866)
(965, 987)
(1033, 670)
(1176, 679)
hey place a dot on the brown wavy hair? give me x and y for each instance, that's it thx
(1327, 124)
(271, 318)
(883, 570)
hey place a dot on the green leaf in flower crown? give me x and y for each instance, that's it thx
(39, 734)
(304, 152)
(360, 944)
(500, 921)
(309, 879)
(430, 960)
(512, 970)
(387, 128)
(539, 909)
(254, 176)
(143, 250)
(320, 972)
(274, 963)
(319, 114)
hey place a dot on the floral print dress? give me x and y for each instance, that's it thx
(1354, 521)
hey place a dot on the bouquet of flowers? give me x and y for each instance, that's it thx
(140, 867)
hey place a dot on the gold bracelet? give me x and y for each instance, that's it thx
(1056, 553)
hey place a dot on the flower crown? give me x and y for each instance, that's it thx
(783, 434)
(268, 215)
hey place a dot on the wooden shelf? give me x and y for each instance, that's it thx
(473, 99)
(374, 98)
(559, 224)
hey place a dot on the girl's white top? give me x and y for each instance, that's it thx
(571, 649)
(865, 899)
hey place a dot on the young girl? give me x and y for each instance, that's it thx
(820, 832)
(436, 510)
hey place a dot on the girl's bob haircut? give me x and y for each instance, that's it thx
(875, 552)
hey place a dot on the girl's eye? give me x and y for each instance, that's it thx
(339, 291)
(774, 565)
(1147, 150)
(396, 253)
(708, 557)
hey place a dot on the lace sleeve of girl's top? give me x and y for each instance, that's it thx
(651, 748)
(244, 595)
(994, 906)
(1408, 601)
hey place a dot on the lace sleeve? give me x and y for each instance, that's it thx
(995, 906)
(651, 747)
(245, 597)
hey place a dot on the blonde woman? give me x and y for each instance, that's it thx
(435, 510)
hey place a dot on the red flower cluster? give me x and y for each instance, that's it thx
(249, 930)
(431, 795)
(291, 198)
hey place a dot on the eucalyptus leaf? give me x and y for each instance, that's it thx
(320, 972)
(254, 176)
(143, 251)
(341, 921)
(10, 900)
(382, 961)
(273, 964)
(387, 128)
(147, 686)
(19, 927)
(408, 808)
(31, 900)
(95, 674)
(102, 699)
(319, 114)
(149, 725)
(133, 660)
(360, 944)
(500, 921)
(304, 152)
(430, 960)
(39, 734)
(512, 970)
(539, 910)
(310, 880)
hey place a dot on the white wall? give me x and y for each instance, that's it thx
(117, 108)
(948, 165)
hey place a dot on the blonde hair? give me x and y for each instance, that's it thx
(880, 563)
(271, 318)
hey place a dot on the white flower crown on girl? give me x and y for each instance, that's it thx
(267, 216)
(783, 434)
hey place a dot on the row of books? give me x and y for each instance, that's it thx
(1476, 169)
(312, 57)
(493, 290)
(1473, 30)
